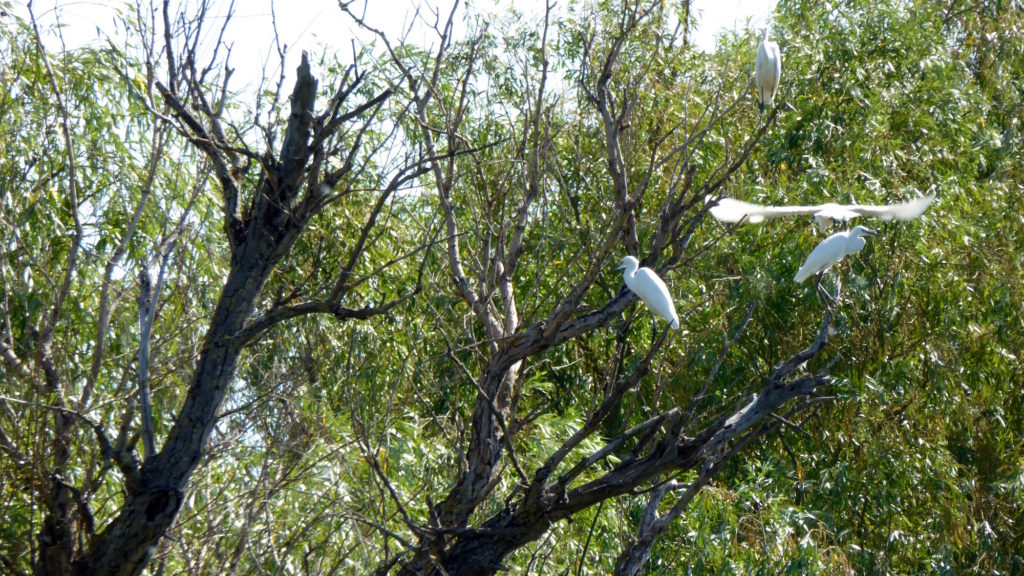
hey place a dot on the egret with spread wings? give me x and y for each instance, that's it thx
(730, 211)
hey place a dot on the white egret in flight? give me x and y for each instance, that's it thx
(767, 71)
(646, 284)
(731, 211)
(832, 250)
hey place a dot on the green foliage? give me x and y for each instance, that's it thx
(910, 470)
(915, 466)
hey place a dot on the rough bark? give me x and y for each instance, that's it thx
(480, 551)
(125, 546)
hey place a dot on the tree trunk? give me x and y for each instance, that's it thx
(125, 546)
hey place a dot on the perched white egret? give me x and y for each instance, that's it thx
(646, 284)
(832, 250)
(767, 71)
(729, 210)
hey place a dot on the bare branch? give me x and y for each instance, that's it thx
(69, 151)
(146, 303)
(718, 362)
(332, 305)
(105, 307)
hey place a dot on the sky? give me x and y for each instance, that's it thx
(305, 24)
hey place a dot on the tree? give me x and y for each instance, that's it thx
(383, 332)
(313, 160)
(660, 177)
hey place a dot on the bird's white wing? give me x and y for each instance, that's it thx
(905, 211)
(652, 290)
(824, 255)
(730, 211)
(767, 71)
(835, 212)
(776, 57)
(760, 62)
(829, 213)
(832, 213)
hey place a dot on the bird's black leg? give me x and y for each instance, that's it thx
(823, 296)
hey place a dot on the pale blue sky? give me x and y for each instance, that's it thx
(303, 24)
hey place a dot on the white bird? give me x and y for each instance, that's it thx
(646, 284)
(731, 211)
(767, 71)
(832, 250)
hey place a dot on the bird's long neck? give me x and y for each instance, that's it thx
(765, 37)
(630, 272)
(857, 243)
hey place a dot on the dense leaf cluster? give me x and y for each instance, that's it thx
(336, 440)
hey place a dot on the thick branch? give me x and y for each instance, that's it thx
(480, 551)
(151, 505)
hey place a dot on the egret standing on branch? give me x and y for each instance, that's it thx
(767, 71)
(731, 211)
(832, 250)
(646, 284)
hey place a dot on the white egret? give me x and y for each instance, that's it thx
(646, 284)
(832, 250)
(731, 211)
(767, 71)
